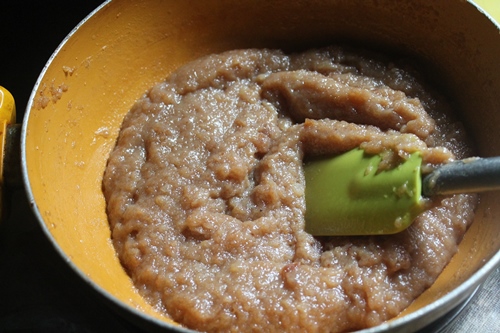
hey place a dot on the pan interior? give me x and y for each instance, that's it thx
(114, 56)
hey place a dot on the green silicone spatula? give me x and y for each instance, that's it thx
(347, 195)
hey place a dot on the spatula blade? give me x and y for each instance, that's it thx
(347, 195)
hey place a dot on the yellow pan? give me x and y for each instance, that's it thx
(124, 47)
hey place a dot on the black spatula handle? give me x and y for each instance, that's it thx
(465, 176)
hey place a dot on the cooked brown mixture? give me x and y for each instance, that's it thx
(205, 191)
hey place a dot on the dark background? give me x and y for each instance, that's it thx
(38, 291)
(30, 31)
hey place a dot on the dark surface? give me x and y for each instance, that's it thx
(38, 290)
(30, 31)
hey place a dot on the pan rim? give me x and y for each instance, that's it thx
(454, 297)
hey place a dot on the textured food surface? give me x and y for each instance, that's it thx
(205, 191)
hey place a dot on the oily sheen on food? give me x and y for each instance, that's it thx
(205, 190)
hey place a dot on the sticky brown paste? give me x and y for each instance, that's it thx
(205, 191)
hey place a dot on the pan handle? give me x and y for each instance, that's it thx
(10, 157)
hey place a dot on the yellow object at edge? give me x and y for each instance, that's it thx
(7, 106)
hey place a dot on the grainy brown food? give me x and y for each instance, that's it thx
(205, 191)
